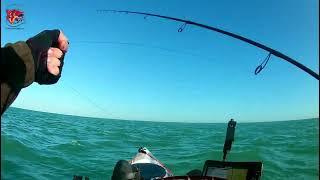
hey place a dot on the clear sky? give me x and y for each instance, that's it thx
(205, 77)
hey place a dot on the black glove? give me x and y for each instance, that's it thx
(39, 46)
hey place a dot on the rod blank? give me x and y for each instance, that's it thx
(254, 43)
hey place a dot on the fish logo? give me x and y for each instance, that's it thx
(15, 17)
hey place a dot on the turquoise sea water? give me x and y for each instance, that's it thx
(37, 145)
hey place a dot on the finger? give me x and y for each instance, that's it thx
(54, 62)
(64, 45)
(63, 42)
(54, 70)
(55, 52)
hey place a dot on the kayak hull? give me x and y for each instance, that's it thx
(149, 166)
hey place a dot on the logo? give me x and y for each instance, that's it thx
(14, 17)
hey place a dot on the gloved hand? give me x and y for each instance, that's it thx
(48, 49)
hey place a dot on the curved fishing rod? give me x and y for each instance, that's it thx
(254, 43)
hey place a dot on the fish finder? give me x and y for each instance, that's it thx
(233, 170)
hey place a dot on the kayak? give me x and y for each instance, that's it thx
(144, 165)
(149, 166)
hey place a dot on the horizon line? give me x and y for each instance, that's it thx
(122, 119)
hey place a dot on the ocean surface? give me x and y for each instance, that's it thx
(37, 145)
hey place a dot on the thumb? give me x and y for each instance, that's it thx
(63, 42)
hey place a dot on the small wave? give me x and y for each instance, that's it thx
(76, 143)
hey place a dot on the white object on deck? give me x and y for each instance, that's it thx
(144, 156)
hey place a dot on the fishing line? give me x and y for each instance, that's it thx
(176, 51)
(88, 99)
(254, 43)
(93, 103)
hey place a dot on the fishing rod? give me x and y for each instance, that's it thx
(254, 43)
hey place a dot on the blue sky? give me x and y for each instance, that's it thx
(206, 77)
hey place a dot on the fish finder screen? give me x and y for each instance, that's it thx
(227, 173)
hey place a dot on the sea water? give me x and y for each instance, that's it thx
(37, 145)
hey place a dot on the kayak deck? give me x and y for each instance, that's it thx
(149, 166)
